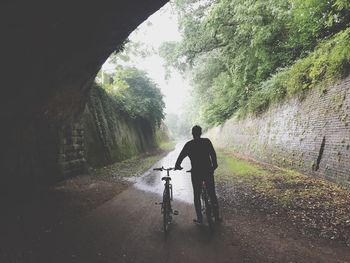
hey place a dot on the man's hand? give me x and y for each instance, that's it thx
(178, 167)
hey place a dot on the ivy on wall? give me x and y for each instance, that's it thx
(110, 133)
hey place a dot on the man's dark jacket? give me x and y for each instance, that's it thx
(202, 155)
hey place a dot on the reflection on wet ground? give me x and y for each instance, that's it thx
(181, 181)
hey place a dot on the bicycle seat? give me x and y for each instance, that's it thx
(166, 178)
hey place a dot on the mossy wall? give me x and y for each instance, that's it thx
(109, 134)
(311, 135)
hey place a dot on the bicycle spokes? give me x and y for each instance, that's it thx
(166, 209)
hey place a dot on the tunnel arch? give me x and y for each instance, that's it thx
(51, 52)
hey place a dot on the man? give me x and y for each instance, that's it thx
(203, 160)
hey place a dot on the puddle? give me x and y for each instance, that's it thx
(151, 181)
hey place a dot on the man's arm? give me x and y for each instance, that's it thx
(212, 154)
(182, 155)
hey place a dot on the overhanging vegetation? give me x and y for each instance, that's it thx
(244, 55)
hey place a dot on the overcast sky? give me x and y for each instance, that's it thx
(162, 26)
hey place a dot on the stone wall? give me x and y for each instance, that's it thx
(101, 135)
(49, 152)
(311, 135)
(71, 157)
(111, 135)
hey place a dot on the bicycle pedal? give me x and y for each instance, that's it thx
(176, 212)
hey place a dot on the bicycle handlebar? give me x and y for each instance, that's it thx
(163, 169)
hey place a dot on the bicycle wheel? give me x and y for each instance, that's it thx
(208, 210)
(166, 211)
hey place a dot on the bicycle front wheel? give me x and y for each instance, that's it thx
(165, 218)
(166, 211)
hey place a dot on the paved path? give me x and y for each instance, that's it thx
(128, 228)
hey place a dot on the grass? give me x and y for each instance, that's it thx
(242, 168)
(313, 204)
(235, 170)
(135, 166)
(281, 184)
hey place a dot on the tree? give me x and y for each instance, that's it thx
(231, 47)
(137, 95)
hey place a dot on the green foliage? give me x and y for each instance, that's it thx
(329, 62)
(129, 50)
(271, 91)
(234, 51)
(137, 95)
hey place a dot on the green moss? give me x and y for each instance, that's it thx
(313, 165)
(344, 117)
(338, 156)
(337, 101)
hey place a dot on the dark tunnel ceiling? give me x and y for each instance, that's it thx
(52, 50)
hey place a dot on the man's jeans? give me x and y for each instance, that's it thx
(197, 180)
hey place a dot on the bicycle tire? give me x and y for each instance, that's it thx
(166, 211)
(208, 211)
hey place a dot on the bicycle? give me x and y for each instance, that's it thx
(166, 208)
(207, 207)
(206, 204)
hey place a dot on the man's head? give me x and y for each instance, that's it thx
(196, 131)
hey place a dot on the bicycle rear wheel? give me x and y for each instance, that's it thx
(208, 211)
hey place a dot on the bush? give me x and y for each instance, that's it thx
(328, 63)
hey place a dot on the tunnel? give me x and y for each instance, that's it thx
(51, 52)
(281, 160)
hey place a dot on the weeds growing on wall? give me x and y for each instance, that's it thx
(328, 63)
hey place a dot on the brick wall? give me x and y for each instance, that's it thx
(311, 135)
(71, 154)
(100, 136)
(111, 135)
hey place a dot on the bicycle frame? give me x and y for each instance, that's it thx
(166, 208)
(169, 186)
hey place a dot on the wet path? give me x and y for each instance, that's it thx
(181, 180)
(128, 228)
